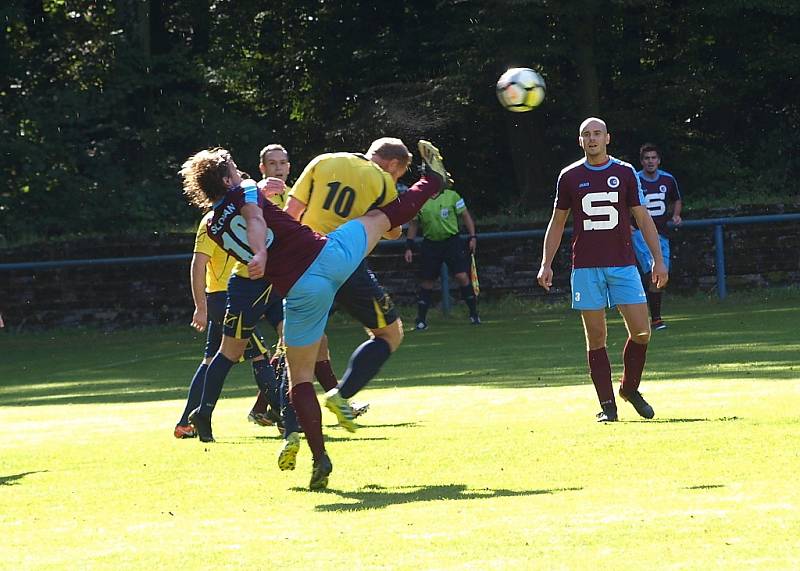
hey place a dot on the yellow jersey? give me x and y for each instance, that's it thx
(220, 266)
(337, 187)
(279, 200)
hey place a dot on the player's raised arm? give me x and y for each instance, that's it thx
(552, 240)
(650, 234)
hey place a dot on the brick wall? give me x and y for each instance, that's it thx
(129, 294)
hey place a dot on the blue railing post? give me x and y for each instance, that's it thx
(445, 290)
(719, 255)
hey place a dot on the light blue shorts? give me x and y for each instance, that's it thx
(643, 256)
(307, 304)
(598, 288)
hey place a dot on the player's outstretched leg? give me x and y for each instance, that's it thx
(432, 158)
(406, 206)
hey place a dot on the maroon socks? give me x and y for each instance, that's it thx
(600, 370)
(305, 403)
(325, 375)
(634, 357)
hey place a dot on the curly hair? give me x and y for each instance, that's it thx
(203, 175)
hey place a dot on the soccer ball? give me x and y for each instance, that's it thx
(520, 89)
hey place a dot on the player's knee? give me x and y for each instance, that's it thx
(595, 339)
(392, 334)
(233, 349)
(462, 279)
(641, 337)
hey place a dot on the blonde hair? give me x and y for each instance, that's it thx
(390, 148)
(203, 175)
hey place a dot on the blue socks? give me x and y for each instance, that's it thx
(195, 392)
(267, 382)
(215, 378)
(365, 362)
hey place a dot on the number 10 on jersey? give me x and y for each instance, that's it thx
(339, 197)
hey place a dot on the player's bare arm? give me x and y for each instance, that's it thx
(650, 234)
(677, 208)
(295, 207)
(552, 240)
(198, 281)
(411, 233)
(469, 224)
(256, 239)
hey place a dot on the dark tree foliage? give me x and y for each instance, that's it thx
(102, 100)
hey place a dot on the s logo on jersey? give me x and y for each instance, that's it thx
(613, 182)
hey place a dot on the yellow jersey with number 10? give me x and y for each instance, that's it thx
(337, 187)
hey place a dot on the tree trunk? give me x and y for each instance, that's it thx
(585, 62)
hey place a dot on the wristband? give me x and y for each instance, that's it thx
(473, 236)
(409, 244)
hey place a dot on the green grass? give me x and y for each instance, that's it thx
(479, 451)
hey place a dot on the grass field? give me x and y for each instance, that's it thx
(480, 451)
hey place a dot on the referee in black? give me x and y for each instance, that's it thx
(437, 223)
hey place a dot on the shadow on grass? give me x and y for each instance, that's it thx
(510, 350)
(13, 479)
(672, 420)
(277, 438)
(393, 425)
(374, 497)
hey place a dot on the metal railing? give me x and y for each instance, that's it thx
(719, 243)
(717, 223)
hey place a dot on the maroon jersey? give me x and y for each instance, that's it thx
(600, 198)
(659, 193)
(291, 246)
